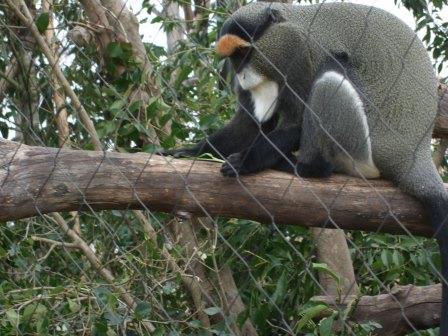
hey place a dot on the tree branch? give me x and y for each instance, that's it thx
(37, 180)
(406, 308)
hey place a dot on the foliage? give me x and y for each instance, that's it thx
(427, 15)
(53, 288)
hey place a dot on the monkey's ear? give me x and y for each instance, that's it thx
(274, 15)
(229, 43)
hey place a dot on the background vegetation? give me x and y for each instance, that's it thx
(50, 286)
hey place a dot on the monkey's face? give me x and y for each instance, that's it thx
(243, 29)
(259, 43)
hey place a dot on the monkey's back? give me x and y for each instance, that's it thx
(400, 83)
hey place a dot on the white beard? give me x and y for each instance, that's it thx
(264, 92)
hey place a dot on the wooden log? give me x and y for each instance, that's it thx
(403, 310)
(441, 123)
(39, 180)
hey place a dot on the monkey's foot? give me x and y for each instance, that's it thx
(316, 168)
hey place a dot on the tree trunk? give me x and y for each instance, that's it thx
(332, 250)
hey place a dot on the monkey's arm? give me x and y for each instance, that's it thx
(268, 151)
(237, 135)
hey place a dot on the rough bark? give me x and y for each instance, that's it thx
(441, 123)
(61, 113)
(172, 10)
(37, 180)
(403, 310)
(439, 154)
(235, 304)
(112, 21)
(117, 22)
(332, 250)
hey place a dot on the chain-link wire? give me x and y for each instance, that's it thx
(126, 262)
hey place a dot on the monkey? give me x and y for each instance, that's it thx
(332, 87)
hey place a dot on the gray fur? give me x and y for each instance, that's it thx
(334, 105)
(399, 81)
(399, 94)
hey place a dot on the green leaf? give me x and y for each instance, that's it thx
(384, 258)
(370, 326)
(168, 142)
(422, 23)
(168, 288)
(326, 326)
(114, 50)
(309, 313)
(119, 50)
(322, 267)
(142, 310)
(196, 324)
(396, 258)
(28, 312)
(280, 289)
(43, 325)
(73, 306)
(41, 310)
(42, 22)
(113, 318)
(13, 317)
(157, 19)
(100, 327)
(3, 252)
(164, 119)
(212, 310)
(57, 290)
(117, 105)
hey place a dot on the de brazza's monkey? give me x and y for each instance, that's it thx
(348, 86)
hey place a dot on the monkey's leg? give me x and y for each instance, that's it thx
(420, 178)
(284, 165)
(335, 130)
(266, 152)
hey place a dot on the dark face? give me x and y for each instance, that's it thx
(240, 58)
(238, 35)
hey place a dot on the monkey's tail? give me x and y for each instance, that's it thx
(438, 216)
(420, 178)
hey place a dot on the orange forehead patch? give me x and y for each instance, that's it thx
(227, 44)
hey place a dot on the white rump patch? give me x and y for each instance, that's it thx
(264, 92)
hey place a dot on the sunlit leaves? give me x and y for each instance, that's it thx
(42, 22)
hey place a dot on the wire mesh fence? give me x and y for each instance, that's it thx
(103, 235)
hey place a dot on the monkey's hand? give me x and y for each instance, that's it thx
(180, 152)
(236, 164)
(233, 164)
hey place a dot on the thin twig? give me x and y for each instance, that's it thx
(27, 19)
